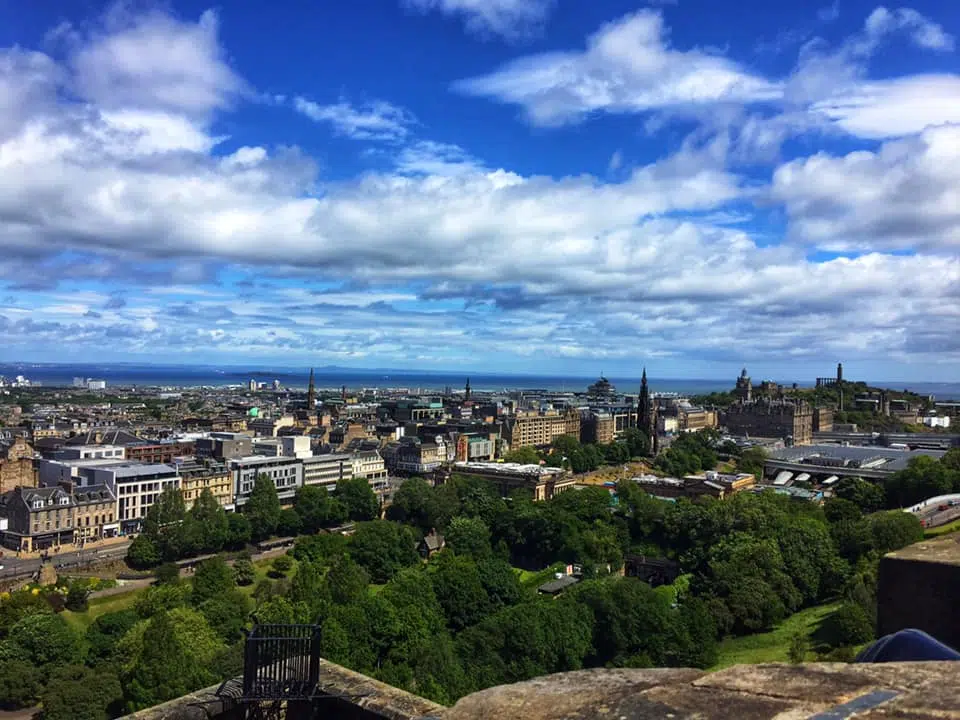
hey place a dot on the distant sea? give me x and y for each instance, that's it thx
(181, 376)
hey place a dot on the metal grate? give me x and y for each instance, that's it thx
(281, 662)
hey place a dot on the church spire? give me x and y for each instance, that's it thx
(311, 393)
(466, 390)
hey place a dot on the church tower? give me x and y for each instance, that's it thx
(311, 393)
(646, 412)
(466, 391)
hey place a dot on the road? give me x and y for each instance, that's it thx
(72, 560)
(933, 517)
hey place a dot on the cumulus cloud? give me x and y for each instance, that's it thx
(628, 66)
(904, 196)
(377, 120)
(510, 19)
(448, 258)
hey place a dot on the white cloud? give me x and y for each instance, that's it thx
(427, 157)
(894, 108)
(155, 62)
(616, 160)
(489, 258)
(377, 120)
(904, 196)
(511, 19)
(627, 67)
(922, 31)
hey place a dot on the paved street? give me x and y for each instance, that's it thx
(20, 567)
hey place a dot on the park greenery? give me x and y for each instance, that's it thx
(469, 616)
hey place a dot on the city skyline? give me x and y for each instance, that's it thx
(515, 186)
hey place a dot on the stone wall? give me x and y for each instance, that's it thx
(919, 587)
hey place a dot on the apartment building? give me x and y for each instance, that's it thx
(327, 470)
(286, 474)
(540, 429)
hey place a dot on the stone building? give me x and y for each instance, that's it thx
(771, 418)
(195, 477)
(540, 429)
(17, 468)
(597, 427)
(822, 419)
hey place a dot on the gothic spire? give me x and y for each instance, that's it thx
(466, 390)
(311, 393)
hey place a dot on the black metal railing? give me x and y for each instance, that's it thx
(281, 662)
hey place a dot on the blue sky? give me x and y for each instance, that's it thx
(500, 185)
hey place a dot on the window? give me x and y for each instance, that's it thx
(87, 519)
(96, 519)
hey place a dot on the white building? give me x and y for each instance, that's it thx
(286, 473)
(96, 384)
(369, 465)
(936, 422)
(137, 487)
(91, 452)
(327, 470)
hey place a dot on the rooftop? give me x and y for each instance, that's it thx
(887, 459)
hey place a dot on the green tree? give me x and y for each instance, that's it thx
(456, 582)
(289, 525)
(167, 574)
(358, 498)
(20, 684)
(42, 640)
(382, 548)
(415, 503)
(894, 529)
(227, 614)
(143, 553)
(160, 598)
(865, 495)
(346, 581)
(105, 632)
(19, 605)
(500, 582)
(77, 597)
(848, 625)
(211, 520)
(281, 565)
(164, 525)
(638, 443)
(799, 647)
(318, 509)
(239, 531)
(244, 571)
(75, 692)
(752, 460)
(172, 658)
(263, 508)
(525, 455)
(277, 610)
(469, 536)
(213, 578)
(319, 548)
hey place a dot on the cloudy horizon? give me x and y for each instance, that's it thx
(511, 185)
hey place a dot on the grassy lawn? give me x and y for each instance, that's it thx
(101, 606)
(942, 530)
(771, 646)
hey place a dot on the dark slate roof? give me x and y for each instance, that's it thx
(112, 436)
(93, 494)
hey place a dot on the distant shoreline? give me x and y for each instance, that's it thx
(327, 378)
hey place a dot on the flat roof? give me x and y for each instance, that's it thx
(509, 468)
(136, 469)
(892, 459)
(263, 460)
